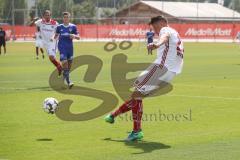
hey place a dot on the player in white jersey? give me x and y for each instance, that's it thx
(38, 44)
(238, 36)
(47, 27)
(167, 65)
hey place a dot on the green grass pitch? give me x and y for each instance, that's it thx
(207, 92)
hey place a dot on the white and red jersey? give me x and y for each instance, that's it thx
(47, 29)
(238, 36)
(170, 55)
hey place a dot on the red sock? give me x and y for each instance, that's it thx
(137, 111)
(127, 106)
(57, 64)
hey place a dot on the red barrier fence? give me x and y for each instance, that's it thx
(187, 31)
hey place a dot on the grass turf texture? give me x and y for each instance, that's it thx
(208, 86)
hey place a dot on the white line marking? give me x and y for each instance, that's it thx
(108, 82)
(171, 95)
(207, 86)
(205, 97)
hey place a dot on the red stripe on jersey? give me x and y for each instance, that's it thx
(146, 79)
(164, 56)
(51, 22)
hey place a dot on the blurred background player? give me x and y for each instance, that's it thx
(38, 44)
(167, 65)
(238, 37)
(66, 32)
(149, 36)
(47, 27)
(2, 41)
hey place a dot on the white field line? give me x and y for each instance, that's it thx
(207, 86)
(109, 82)
(204, 97)
(21, 82)
(171, 95)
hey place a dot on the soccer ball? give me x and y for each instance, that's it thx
(50, 105)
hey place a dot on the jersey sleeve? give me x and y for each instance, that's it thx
(38, 23)
(165, 30)
(75, 30)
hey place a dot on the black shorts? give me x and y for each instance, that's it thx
(2, 43)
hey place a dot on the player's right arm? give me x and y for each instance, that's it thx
(162, 40)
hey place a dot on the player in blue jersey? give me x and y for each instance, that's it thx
(66, 32)
(149, 36)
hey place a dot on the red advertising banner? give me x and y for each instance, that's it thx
(92, 31)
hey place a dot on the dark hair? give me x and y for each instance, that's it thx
(47, 11)
(158, 19)
(66, 14)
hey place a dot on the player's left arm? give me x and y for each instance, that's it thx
(75, 34)
(5, 36)
(162, 40)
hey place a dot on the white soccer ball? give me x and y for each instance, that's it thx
(50, 105)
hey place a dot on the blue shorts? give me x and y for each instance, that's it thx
(150, 41)
(66, 54)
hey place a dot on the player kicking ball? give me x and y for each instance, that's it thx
(66, 32)
(167, 65)
(47, 27)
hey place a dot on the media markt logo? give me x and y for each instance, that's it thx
(208, 32)
(127, 32)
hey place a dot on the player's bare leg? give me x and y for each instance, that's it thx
(37, 52)
(42, 53)
(149, 52)
(5, 50)
(56, 63)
